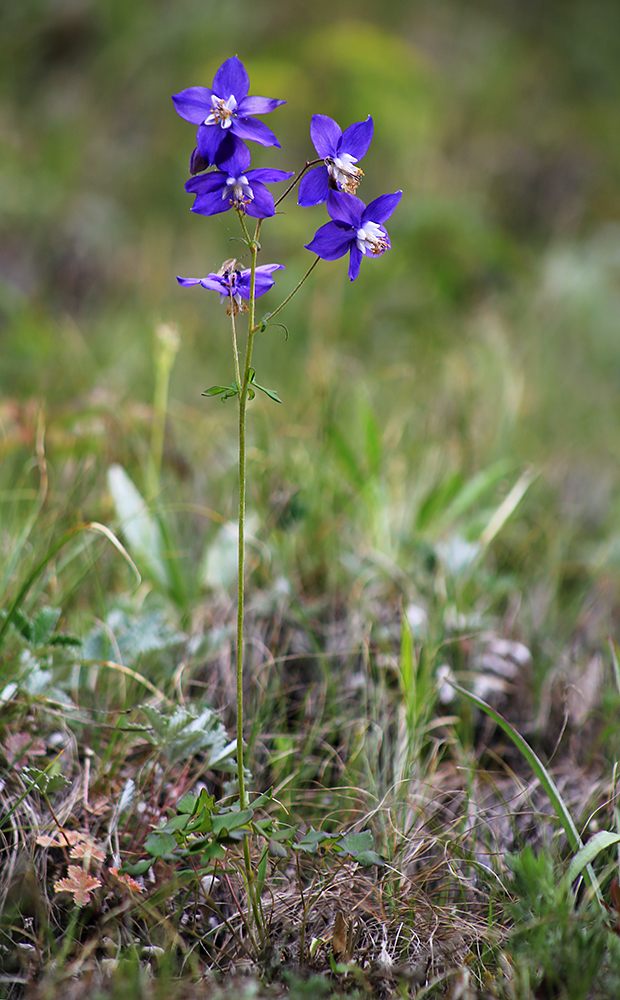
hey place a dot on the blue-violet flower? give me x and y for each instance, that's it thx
(226, 112)
(340, 152)
(355, 228)
(234, 285)
(236, 187)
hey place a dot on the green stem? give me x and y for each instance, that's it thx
(234, 338)
(254, 903)
(295, 290)
(243, 399)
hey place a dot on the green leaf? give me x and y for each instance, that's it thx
(23, 624)
(214, 852)
(176, 823)
(277, 849)
(139, 868)
(587, 854)
(262, 873)
(264, 324)
(188, 803)
(201, 823)
(183, 734)
(215, 390)
(360, 846)
(352, 843)
(225, 823)
(140, 528)
(160, 845)
(268, 392)
(262, 799)
(65, 640)
(310, 841)
(286, 833)
(473, 489)
(265, 826)
(42, 781)
(368, 858)
(44, 624)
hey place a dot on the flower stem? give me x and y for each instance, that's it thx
(234, 338)
(310, 163)
(294, 292)
(243, 400)
(253, 244)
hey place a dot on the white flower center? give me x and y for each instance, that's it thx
(371, 239)
(238, 191)
(342, 171)
(221, 111)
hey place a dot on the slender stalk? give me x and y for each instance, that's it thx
(234, 338)
(243, 399)
(310, 163)
(254, 902)
(253, 244)
(295, 290)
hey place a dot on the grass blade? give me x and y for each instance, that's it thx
(587, 854)
(541, 772)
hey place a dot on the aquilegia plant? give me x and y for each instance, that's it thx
(222, 180)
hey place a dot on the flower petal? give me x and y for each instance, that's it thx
(332, 241)
(258, 105)
(314, 187)
(231, 78)
(325, 133)
(261, 206)
(193, 104)
(269, 268)
(356, 139)
(215, 283)
(206, 183)
(264, 281)
(381, 208)
(269, 176)
(186, 282)
(252, 128)
(231, 150)
(209, 138)
(197, 163)
(238, 163)
(354, 262)
(344, 207)
(211, 203)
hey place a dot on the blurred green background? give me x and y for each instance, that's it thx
(489, 331)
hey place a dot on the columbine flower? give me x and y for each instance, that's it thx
(234, 284)
(226, 111)
(340, 151)
(355, 228)
(236, 187)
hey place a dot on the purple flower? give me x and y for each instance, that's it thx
(226, 111)
(236, 187)
(235, 284)
(340, 152)
(355, 228)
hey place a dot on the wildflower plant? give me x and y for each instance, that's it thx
(221, 181)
